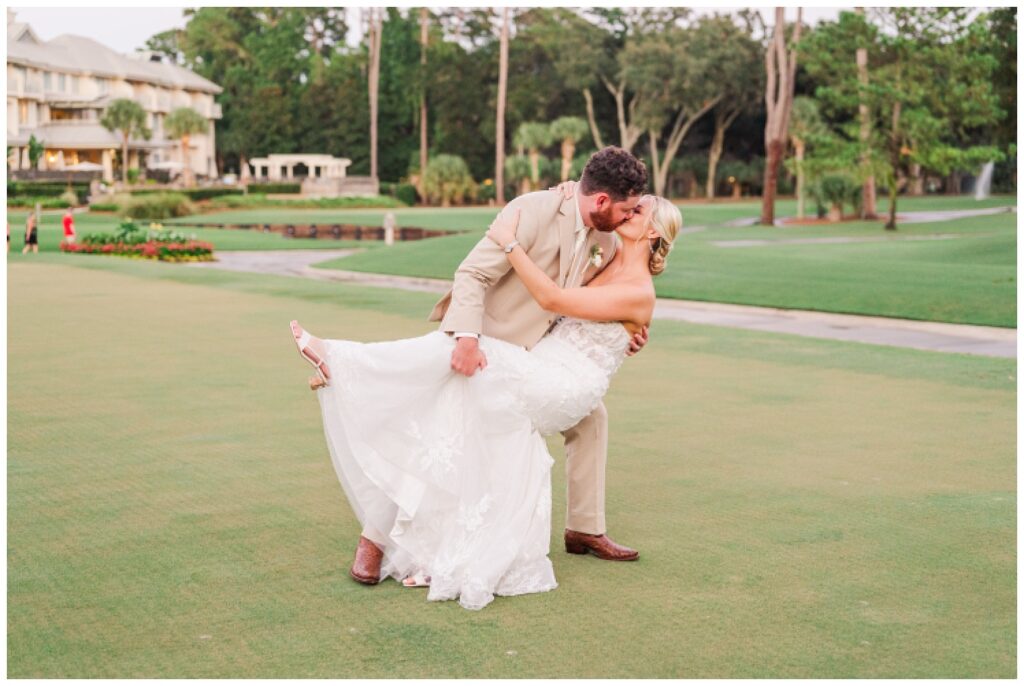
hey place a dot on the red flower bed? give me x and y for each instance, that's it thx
(187, 251)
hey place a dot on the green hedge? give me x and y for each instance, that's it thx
(258, 200)
(45, 202)
(46, 189)
(405, 192)
(275, 188)
(194, 194)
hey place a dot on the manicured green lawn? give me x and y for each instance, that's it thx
(804, 508)
(968, 279)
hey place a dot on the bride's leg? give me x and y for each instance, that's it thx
(313, 351)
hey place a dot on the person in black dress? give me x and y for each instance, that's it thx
(31, 236)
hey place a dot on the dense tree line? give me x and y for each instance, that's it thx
(686, 92)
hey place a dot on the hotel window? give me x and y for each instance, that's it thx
(47, 81)
(74, 85)
(61, 114)
(61, 83)
(101, 86)
(23, 112)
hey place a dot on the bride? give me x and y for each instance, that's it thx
(454, 470)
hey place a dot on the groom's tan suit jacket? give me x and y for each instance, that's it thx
(488, 297)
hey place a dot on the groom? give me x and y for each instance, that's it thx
(571, 239)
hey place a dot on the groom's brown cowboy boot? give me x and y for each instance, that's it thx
(366, 566)
(601, 546)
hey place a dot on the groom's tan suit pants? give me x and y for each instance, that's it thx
(487, 297)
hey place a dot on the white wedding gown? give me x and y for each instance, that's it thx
(453, 470)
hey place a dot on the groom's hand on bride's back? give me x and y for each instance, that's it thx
(639, 340)
(467, 356)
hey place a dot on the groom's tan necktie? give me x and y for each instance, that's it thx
(578, 261)
(578, 264)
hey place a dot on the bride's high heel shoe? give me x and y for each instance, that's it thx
(310, 356)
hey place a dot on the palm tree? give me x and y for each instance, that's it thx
(182, 123)
(499, 131)
(533, 136)
(129, 119)
(424, 28)
(374, 34)
(517, 168)
(447, 179)
(869, 198)
(805, 123)
(569, 130)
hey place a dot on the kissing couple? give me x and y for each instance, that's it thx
(438, 440)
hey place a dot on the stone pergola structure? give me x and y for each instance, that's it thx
(299, 166)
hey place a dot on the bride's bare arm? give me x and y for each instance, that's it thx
(611, 303)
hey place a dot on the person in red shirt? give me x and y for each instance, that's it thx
(69, 227)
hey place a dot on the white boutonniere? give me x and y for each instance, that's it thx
(596, 256)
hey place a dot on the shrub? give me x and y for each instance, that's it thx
(275, 188)
(550, 172)
(405, 192)
(70, 197)
(158, 206)
(487, 191)
(104, 207)
(448, 180)
(133, 175)
(517, 172)
(194, 194)
(835, 190)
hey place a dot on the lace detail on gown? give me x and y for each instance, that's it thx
(454, 470)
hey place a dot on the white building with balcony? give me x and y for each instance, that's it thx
(57, 91)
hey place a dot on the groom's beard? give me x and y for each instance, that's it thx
(602, 221)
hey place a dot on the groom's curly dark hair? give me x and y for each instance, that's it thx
(616, 172)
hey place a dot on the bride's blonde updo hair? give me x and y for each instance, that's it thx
(666, 219)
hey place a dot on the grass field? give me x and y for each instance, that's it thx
(969, 279)
(919, 272)
(803, 507)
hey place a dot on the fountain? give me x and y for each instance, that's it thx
(983, 184)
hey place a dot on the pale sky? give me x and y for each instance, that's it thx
(125, 29)
(120, 28)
